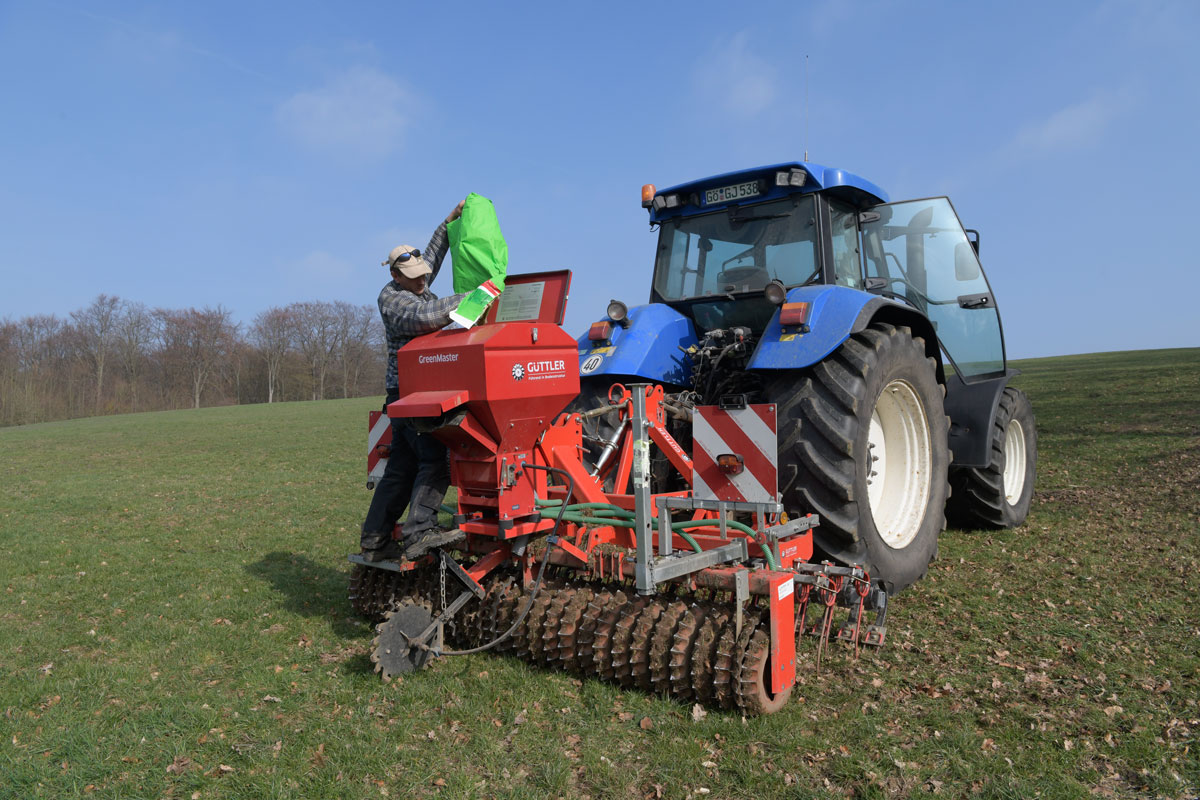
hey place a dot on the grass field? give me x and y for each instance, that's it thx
(175, 624)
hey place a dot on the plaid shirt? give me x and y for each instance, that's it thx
(407, 315)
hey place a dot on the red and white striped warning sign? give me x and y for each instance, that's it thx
(746, 438)
(379, 431)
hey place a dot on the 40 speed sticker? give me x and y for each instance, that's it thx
(591, 364)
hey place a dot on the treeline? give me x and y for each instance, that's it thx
(117, 356)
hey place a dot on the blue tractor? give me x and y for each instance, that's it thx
(869, 324)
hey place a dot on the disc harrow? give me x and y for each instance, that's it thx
(681, 646)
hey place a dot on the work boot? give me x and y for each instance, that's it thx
(392, 551)
(422, 543)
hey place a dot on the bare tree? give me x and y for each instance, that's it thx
(355, 333)
(315, 328)
(9, 370)
(271, 333)
(239, 358)
(96, 332)
(43, 356)
(197, 343)
(135, 333)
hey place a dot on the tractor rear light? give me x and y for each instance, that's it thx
(794, 314)
(600, 331)
(648, 191)
(795, 177)
(383, 450)
(731, 463)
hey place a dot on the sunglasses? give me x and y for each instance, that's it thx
(400, 259)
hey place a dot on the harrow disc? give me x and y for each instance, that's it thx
(754, 694)
(704, 653)
(392, 652)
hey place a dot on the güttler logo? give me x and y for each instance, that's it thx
(518, 372)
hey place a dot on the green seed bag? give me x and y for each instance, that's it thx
(477, 246)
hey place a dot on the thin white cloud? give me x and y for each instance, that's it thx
(732, 75)
(1077, 125)
(361, 113)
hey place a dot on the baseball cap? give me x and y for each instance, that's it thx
(412, 267)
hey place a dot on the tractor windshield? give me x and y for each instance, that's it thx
(737, 250)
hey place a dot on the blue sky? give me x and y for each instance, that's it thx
(257, 154)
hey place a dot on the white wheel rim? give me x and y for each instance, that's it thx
(1014, 462)
(901, 456)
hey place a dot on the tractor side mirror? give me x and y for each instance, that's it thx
(973, 238)
(966, 265)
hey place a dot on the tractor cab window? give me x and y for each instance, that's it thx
(847, 270)
(918, 252)
(737, 250)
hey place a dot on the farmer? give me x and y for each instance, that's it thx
(418, 469)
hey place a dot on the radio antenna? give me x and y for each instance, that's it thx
(806, 106)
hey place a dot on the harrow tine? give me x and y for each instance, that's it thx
(852, 630)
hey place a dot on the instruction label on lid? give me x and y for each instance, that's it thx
(520, 302)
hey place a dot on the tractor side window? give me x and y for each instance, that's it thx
(920, 254)
(846, 269)
(678, 280)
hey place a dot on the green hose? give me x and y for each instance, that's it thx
(618, 517)
(772, 562)
(616, 522)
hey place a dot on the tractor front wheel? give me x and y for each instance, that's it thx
(863, 443)
(999, 495)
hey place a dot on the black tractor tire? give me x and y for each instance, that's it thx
(827, 461)
(999, 495)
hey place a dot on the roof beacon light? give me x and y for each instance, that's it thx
(794, 177)
(648, 191)
(618, 312)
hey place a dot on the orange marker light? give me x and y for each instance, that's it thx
(600, 331)
(794, 314)
(648, 191)
(731, 463)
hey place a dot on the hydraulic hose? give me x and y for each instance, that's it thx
(537, 585)
(618, 517)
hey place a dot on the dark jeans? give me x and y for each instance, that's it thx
(416, 477)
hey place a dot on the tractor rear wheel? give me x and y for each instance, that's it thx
(999, 495)
(863, 443)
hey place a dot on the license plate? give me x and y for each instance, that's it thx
(727, 193)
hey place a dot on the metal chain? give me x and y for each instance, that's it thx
(442, 579)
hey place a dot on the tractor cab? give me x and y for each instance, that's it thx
(726, 242)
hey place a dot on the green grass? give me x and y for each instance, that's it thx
(174, 624)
